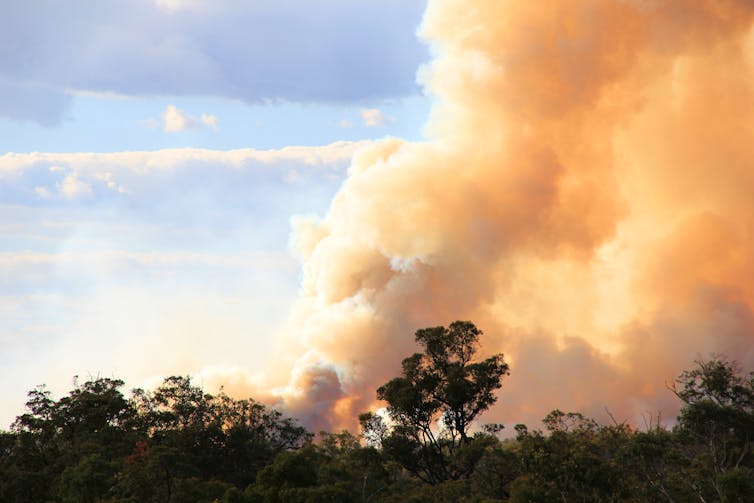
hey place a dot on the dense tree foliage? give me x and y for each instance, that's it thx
(178, 443)
(441, 385)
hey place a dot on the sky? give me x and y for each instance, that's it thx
(152, 156)
(273, 196)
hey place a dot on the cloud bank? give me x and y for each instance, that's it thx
(585, 198)
(323, 51)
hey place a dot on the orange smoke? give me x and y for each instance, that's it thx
(585, 197)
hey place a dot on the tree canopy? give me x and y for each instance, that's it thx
(177, 443)
(435, 400)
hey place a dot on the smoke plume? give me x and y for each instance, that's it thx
(585, 197)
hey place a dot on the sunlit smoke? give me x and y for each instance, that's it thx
(584, 197)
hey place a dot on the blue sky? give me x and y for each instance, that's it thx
(107, 124)
(152, 156)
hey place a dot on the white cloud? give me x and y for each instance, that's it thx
(73, 188)
(94, 177)
(11, 262)
(175, 5)
(107, 178)
(374, 117)
(175, 120)
(145, 162)
(209, 120)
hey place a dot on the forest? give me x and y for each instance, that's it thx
(178, 443)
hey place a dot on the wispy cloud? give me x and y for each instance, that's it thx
(96, 177)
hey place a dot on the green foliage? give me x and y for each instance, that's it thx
(441, 384)
(496, 469)
(337, 468)
(736, 485)
(179, 444)
(88, 480)
(716, 428)
(577, 460)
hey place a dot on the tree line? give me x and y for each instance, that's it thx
(178, 443)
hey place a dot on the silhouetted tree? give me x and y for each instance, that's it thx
(577, 459)
(716, 429)
(179, 444)
(434, 402)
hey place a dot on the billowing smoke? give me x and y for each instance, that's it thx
(585, 197)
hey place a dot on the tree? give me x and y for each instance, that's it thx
(577, 460)
(336, 468)
(716, 429)
(70, 449)
(176, 444)
(434, 402)
(193, 434)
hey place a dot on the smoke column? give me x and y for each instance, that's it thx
(585, 197)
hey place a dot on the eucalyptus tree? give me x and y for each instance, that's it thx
(435, 401)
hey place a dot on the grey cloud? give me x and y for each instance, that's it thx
(44, 105)
(320, 51)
